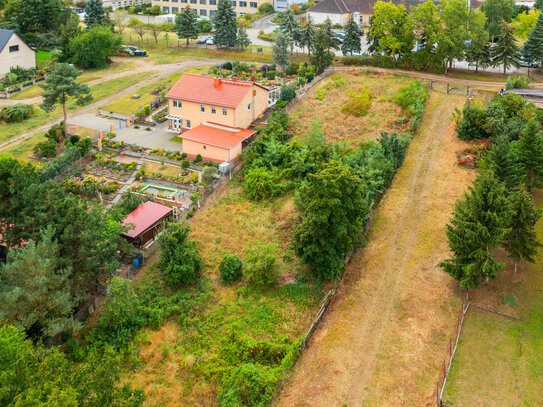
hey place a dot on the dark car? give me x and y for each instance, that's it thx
(360, 32)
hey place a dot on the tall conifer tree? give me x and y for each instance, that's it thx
(351, 43)
(95, 13)
(507, 52)
(307, 35)
(521, 241)
(185, 24)
(530, 155)
(226, 28)
(503, 162)
(479, 224)
(532, 51)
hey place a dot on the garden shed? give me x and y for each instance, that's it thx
(145, 222)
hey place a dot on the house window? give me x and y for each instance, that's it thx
(203, 1)
(212, 2)
(166, 9)
(187, 123)
(211, 13)
(249, 107)
(224, 111)
(184, 1)
(213, 110)
(234, 3)
(243, 4)
(253, 4)
(175, 9)
(203, 12)
(202, 109)
(192, 1)
(177, 104)
(14, 48)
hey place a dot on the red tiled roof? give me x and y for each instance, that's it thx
(145, 216)
(217, 135)
(202, 89)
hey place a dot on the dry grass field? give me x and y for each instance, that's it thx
(325, 100)
(499, 362)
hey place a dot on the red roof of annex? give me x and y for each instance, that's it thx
(211, 91)
(217, 135)
(145, 216)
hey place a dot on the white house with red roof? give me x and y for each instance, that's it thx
(212, 114)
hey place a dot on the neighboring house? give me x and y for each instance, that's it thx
(145, 222)
(208, 8)
(14, 52)
(197, 99)
(115, 4)
(284, 5)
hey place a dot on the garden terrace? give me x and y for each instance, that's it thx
(326, 100)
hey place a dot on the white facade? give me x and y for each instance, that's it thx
(16, 53)
(320, 18)
(284, 5)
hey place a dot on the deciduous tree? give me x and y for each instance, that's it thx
(497, 11)
(93, 48)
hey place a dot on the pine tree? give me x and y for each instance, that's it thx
(280, 51)
(322, 56)
(529, 151)
(502, 161)
(243, 40)
(479, 224)
(351, 43)
(507, 52)
(226, 28)
(521, 241)
(327, 27)
(95, 13)
(185, 24)
(290, 26)
(307, 35)
(532, 51)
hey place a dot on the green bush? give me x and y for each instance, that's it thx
(261, 267)
(93, 48)
(204, 26)
(411, 99)
(260, 183)
(209, 174)
(270, 75)
(46, 148)
(472, 124)
(281, 104)
(249, 385)
(517, 82)
(193, 177)
(358, 103)
(288, 92)
(293, 68)
(265, 8)
(180, 262)
(185, 164)
(230, 268)
(16, 113)
(198, 158)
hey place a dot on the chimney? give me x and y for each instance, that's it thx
(216, 81)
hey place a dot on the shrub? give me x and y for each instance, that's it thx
(321, 94)
(93, 48)
(209, 174)
(185, 164)
(265, 8)
(204, 26)
(16, 113)
(261, 267)
(227, 66)
(293, 68)
(146, 110)
(249, 385)
(472, 123)
(198, 158)
(288, 92)
(281, 104)
(46, 148)
(260, 183)
(358, 104)
(411, 99)
(193, 177)
(270, 75)
(517, 82)
(230, 268)
(180, 262)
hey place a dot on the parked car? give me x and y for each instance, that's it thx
(203, 39)
(360, 31)
(210, 41)
(526, 64)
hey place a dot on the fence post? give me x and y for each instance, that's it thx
(112, 128)
(447, 89)
(128, 122)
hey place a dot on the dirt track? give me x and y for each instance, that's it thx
(385, 335)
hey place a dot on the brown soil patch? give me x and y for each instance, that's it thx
(384, 338)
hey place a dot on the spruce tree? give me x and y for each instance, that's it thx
(322, 56)
(351, 43)
(280, 51)
(95, 13)
(529, 151)
(290, 26)
(532, 51)
(327, 27)
(185, 24)
(479, 224)
(503, 162)
(243, 40)
(307, 34)
(226, 28)
(507, 52)
(521, 241)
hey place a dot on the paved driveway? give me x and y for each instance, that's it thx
(158, 137)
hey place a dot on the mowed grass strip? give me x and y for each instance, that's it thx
(489, 369)
(325, 100)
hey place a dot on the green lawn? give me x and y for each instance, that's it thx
(42, 58)
(488, 369)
